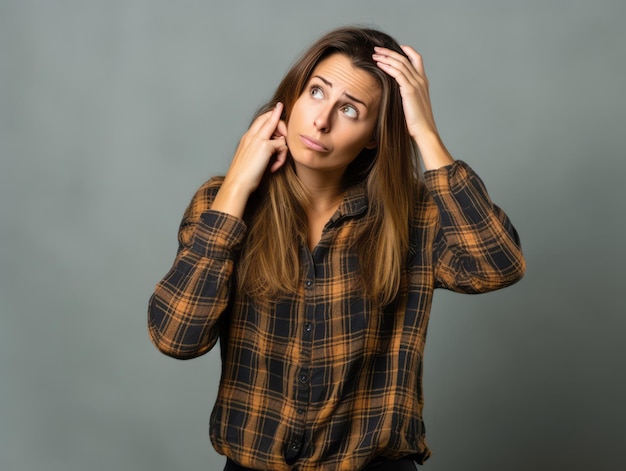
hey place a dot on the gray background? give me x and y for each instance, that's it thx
(113, 112)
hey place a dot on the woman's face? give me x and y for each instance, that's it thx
(335, 116)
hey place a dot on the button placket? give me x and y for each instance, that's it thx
(303, 378)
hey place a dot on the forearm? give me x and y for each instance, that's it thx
(186, 307)
(433, 151)
(231, 199)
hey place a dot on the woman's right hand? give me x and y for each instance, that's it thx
(264, 139)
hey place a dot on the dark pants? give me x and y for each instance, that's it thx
(377, 465)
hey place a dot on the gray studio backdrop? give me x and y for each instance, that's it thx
(113, 112)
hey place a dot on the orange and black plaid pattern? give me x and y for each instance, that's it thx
(325, 379)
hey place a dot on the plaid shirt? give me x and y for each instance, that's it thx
(323, 379)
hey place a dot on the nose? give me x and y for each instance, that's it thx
(323, 119)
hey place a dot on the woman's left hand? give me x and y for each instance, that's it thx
(411, 77)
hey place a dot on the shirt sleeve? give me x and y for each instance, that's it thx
(476, 247)
(185, 309)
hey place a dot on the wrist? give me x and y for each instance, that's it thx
(433, 151)
(231, 198)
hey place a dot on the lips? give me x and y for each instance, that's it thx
(313, 144)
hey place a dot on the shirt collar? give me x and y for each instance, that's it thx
(354, 203)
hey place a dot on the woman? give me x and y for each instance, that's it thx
(315, 258)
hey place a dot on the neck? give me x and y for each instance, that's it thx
(325, 188)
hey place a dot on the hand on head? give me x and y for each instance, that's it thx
(411, 77)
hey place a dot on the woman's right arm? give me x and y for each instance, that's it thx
(187, 304)
(185, 310)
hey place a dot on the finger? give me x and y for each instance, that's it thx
(416, 59)
(260, 121)
(396, 60)
(402, 70)
(280, 157)
(404, 78)
(281, 128)
(269, 127)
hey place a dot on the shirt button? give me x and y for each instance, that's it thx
(295, 446)
(308, 327)
(300, 411)
(309, 282)
(304, 378)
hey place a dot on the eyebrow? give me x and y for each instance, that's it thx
(351, 97)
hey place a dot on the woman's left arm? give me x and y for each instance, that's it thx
(477, 249)
(410, 75)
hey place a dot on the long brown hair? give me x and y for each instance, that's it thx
(269, 262)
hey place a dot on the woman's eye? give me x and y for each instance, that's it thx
(316, 92)
(350, 111)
